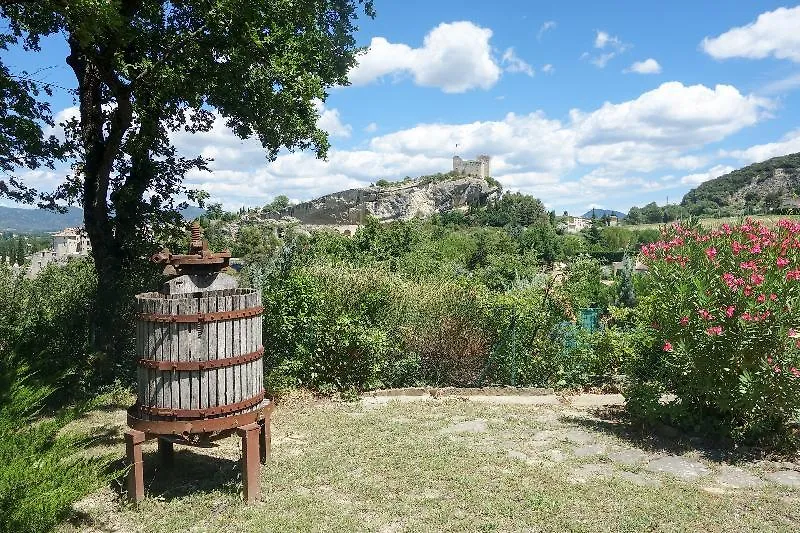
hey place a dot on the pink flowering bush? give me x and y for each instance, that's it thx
(723, 311)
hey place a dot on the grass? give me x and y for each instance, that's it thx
(408, 467)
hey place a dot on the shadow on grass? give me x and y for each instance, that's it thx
(664, 439)
(190, 473)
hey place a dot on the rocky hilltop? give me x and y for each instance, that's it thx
(771, 184)
(402, 201)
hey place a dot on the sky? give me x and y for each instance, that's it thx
(582, 104)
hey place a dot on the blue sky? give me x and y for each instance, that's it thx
(580, 103)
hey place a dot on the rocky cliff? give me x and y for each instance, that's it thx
(397, 202)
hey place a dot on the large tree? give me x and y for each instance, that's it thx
(145, 69)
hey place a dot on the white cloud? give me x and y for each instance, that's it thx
(454, 57)
(783, 85)
(672, 115)
(648, 66)
(602, 60)
(603, 39)
(548, 69)
(371, 127)
(612, 45)
(590, 156)
(546, 26)
(330, 121)
(774, 33)
(710, 174)
(513, 63)
(789, 144)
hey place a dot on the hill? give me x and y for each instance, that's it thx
(600, 213)
(760, 188)
(21, 220)
(386, 201)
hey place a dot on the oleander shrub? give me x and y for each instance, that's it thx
(722, 310)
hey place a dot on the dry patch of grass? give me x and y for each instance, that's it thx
(444, 465)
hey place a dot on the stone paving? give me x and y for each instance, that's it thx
(560, 439)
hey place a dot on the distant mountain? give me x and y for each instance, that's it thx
(600, 213)
(760, 187)
(21, 220)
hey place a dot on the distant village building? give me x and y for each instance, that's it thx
(576, 224)
(71, 242)
(478, 168)
(68, 243)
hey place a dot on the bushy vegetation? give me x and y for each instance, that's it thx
(416, 303)
(721, 310)
(42, 471)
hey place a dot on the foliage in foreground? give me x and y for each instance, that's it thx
(42, 472)
(401, 305)
(722, 308)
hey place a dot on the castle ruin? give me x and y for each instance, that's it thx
(479, 168)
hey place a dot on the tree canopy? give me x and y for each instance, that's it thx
(146, 69)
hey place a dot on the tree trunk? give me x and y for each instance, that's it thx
(101, 140)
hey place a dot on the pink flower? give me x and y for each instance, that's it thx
(777, 369)
(711, 252)
(755, 249)
(792, 332)
(736, 247)
(684, 321)
(782, 262)
(773, 296)
(793, 275)
(729, 311)
(761, 298)
(667, 346)
(705, 314)
(757, 279)
(714, 330)
(795, 372)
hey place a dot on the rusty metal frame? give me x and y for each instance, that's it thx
(203, 413)
(253, 428)
(211, 364)
(247, 312)
(218, 427)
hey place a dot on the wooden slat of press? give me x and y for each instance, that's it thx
(139, 350)
(181, 401)
(220, 350)
(243, 344)
(246, 349)
(164, 354)
(149, 344)
(253, 347)
(237, 348)
(153, 350)
(260, 342)
(170, 377)
(200, 390)
(211, 353)
(230, 390)
(162, 333)
(235, 339)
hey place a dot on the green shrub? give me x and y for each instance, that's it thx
(46, 321)
(722, 312)
(42, 472)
